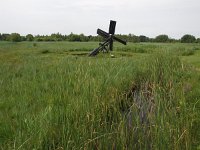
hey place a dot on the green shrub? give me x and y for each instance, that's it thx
(162, 38)
(188, 39)
(29, 37)
(15, 37)
(188, 52)
(34, 44)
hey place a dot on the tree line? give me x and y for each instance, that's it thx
(16, 37)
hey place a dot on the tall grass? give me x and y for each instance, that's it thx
(98, 103)
(51, 104)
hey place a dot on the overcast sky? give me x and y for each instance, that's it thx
(140, 17)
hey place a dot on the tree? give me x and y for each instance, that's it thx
(5, 37)
(57, 37)
(134, 38)
(84, 38)
(23, 38)
(188, 39)
(162, 38)
(29, 37)
(143, 38)
(74, 37)
(15, 37)
(96, 38)
(198, 40)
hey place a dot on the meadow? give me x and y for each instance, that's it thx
(53, 96)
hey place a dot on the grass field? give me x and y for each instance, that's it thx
(53, 96)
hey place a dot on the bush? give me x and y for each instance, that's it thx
(162, 38)
(188, 39)
(198, 40)
(34, 44)
(131, 38)
(29, 37)
(45, 51)
(39, 39)
(143, 38)
(5, 37)
(56, 37)
(23, 38)
(188, 52)
(15, 37)
(74, 37)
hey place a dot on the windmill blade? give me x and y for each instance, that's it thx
(109, 38)
(103, 33)
(119, 40)
(101, 47)
(95, 52)
(112, 27)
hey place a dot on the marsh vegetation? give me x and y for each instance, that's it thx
(52, 96)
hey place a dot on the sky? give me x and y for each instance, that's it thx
(139, 17)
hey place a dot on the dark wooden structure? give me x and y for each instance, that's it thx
(109, 38)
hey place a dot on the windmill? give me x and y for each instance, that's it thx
(109, 38)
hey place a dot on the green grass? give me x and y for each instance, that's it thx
(52, 96)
